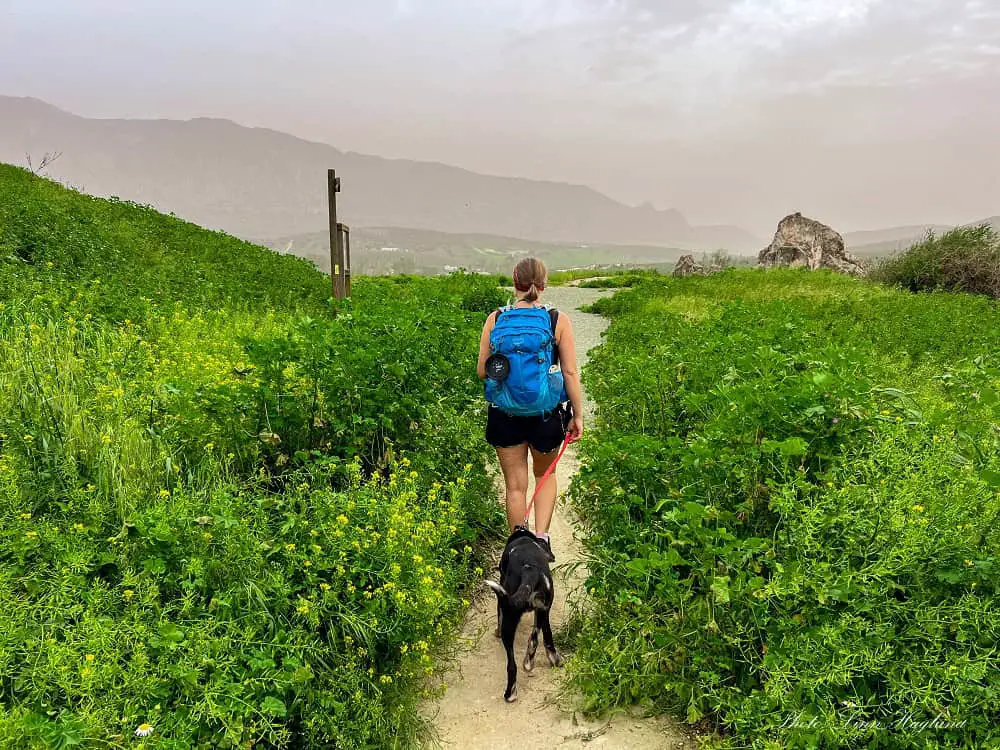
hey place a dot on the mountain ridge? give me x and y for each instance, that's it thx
(260, 182)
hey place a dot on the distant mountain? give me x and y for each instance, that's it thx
(254, 182)
(881, 242)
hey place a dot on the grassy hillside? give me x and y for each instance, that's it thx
(793, 507)
(225, 512)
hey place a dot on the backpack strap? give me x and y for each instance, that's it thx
(554, 320)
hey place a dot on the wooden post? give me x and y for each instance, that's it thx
(336, 249)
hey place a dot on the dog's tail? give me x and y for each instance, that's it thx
(499, 590)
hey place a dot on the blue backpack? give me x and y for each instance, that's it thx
(521, 377)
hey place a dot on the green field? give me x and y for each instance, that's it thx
(395, 250)
(792, 504)
(227, 510)
(243, 515)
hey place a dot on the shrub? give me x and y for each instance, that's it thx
(792, 504)
(966, 259)
(227, 509)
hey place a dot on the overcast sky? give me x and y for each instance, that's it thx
(864, 113)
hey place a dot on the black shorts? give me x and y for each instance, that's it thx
(544, 433)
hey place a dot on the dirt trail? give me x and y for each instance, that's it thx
(472, 714)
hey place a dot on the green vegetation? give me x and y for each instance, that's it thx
(620, 280)
(611, 275)
(792, 500)
(246, 516)
(390, 250)
(966, 259)
(227, 509)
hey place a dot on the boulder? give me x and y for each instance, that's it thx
(804, 242)
(686, 266)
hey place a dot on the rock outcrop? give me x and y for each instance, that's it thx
(804, 242)
(686, 266)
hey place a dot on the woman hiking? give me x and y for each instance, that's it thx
(527, 358)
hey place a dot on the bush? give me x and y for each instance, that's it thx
(231, 615)
(227, 509)
(966, 259)
(792, 505)
(619, 281)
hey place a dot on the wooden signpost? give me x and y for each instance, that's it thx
(340, 238)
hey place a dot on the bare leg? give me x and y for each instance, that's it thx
(545, 501)
(514, 464)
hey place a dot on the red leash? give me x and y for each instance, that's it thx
(545, 476)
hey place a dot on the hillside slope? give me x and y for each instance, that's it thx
(255, 182)
(53, 236)
(227, 515)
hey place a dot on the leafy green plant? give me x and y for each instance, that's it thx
(966, 259)
(232, 514)
(792, 512)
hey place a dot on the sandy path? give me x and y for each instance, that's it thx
(472, 714)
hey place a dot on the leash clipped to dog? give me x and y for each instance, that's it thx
(548, 472)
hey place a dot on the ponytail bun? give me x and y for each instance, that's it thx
(530, 276)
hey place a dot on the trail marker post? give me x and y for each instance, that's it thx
(339, 273)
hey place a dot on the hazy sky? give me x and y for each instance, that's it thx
(862, 112)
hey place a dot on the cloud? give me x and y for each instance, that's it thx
(697, 57)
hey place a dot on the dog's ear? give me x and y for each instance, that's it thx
(499, 590)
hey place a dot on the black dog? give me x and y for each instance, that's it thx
(525, 584)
